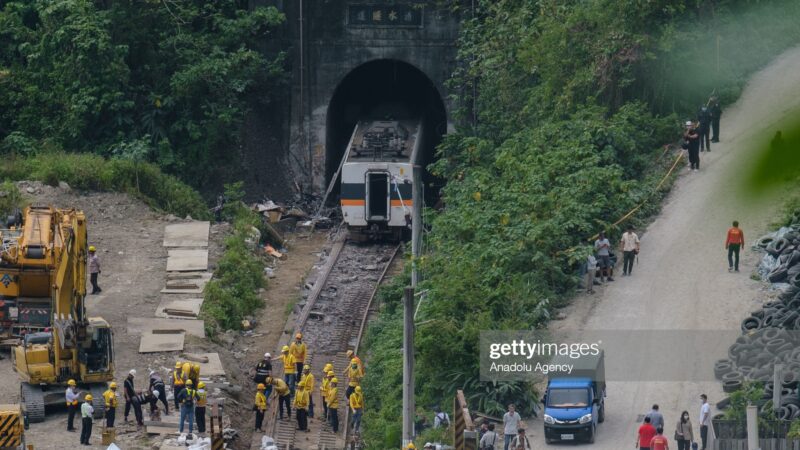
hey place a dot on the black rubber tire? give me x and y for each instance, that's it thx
(783, 413)
(729, 386)
(778, 274)
(794, 278)
(721, 368)
(789, 380)
(751, 323)
(777, 246)
(601, 414)
(794, 258)
(764, 242)
(724, 403)
(592, 435)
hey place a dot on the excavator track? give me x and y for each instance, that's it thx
(32, 402)
(98, 402)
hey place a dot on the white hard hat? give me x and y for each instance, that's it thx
(154, 393)
(267, 355)
(688, 123)
(152, 372)
(132, 372)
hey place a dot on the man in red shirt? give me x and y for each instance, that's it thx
(733, 243)
(645, 435)
(659, 441)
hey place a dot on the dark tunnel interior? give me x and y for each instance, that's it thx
(383, 89)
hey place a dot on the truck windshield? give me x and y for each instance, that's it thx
(568, 398)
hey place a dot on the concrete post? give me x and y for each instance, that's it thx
(752, 427)
(416, 223)
(408, 365)
(777, 384)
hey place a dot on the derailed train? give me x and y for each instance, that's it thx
(376, 192)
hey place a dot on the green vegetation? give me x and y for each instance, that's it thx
(233, 293)
(10, 199)
(93, 172)
(575, 101)
(161, 82)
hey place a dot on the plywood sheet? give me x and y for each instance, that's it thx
(179, 309)
(182, 260)
(139, 325)
(161, 342)
(189, 285)
(189, 234)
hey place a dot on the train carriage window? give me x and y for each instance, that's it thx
(377, 196)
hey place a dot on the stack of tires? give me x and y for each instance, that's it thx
(781, 263)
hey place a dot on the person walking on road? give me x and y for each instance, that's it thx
(733, 243)
(71, 396)
(683, 432)
(488, 439)
(645, 434)
(356, 408)
(511, 421)
(520, 441)
(692, 143)
(129, 392)
(630, 248)
(603, 248)
(716, 113)
(659, 441)
(705, 420)
(704, 128)
(94, 269)
(332, 398)
(86, 419)
(260, 406)
(110, 397)
(656, 419)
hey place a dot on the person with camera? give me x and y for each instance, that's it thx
(630, 248)
(489, 438)
(691, 143)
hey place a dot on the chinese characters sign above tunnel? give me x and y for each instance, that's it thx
(383, 15)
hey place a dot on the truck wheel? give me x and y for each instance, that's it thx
(601, 415)
(591, 435)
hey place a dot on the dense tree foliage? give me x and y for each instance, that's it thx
(167, 80)
(574, 103)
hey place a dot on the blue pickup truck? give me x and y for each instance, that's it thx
(574, 404)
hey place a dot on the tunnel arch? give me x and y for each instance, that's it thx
(381, 88)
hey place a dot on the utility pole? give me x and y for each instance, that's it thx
(416, 222)
(408, 365)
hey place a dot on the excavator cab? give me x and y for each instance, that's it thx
(96, 355)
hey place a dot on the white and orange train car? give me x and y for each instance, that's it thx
(377, 177)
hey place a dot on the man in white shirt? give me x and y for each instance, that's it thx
(630, 248)
(441, 419)
(86, 420)
(705, 420)
(488, 439)
(511, 421)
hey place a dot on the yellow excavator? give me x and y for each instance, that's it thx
(75, 346)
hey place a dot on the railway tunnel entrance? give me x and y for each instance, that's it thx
(384, 89)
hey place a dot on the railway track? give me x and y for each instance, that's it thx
(332, 321)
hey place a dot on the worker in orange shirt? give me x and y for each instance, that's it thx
(733, 243)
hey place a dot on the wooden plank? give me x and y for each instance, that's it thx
(189, 234)
(189, 307)
(139, 325)
(161, 341)
(183, 260)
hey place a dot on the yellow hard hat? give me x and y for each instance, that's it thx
(335, 380)
(328, 367)
(196, 366)
(189, 382)
(201, 385)
(306, 367)
(112, 385)
(349, 353)
(261, 386)
(411, 446)
(71, 382)
(298, 336)
(358, 389)
(353, 361)
(331, 374)
(178, 364)
(285, 348)
(88, 397)
(92, 249)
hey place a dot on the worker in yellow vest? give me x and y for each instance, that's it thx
(333, 404)
(284, 394)
(194, 374)
(354, 375)
(200, 407)
(351, 355)
(356, 408)
(308, 382)
(298, 352)
(323, 389)
(301, 401)
(289, 368)
(260, 406)
(110, 397)
(71, 396)
(177, 383)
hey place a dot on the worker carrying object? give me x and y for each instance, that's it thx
(94, 269)
(194, 374)
(86, 419)
(351, 355)
(333, 404)
(307, 382)
(71, 396)
(157, 386)
(260, 406)
(357, 408)
(289, 367)
(177, 382)
(187, 398)
(137, 401)
(110, 397)
(354, 375)
(298, 352)
(282, 391)
(301, 401)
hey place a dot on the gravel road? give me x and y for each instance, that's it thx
(682, 282)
